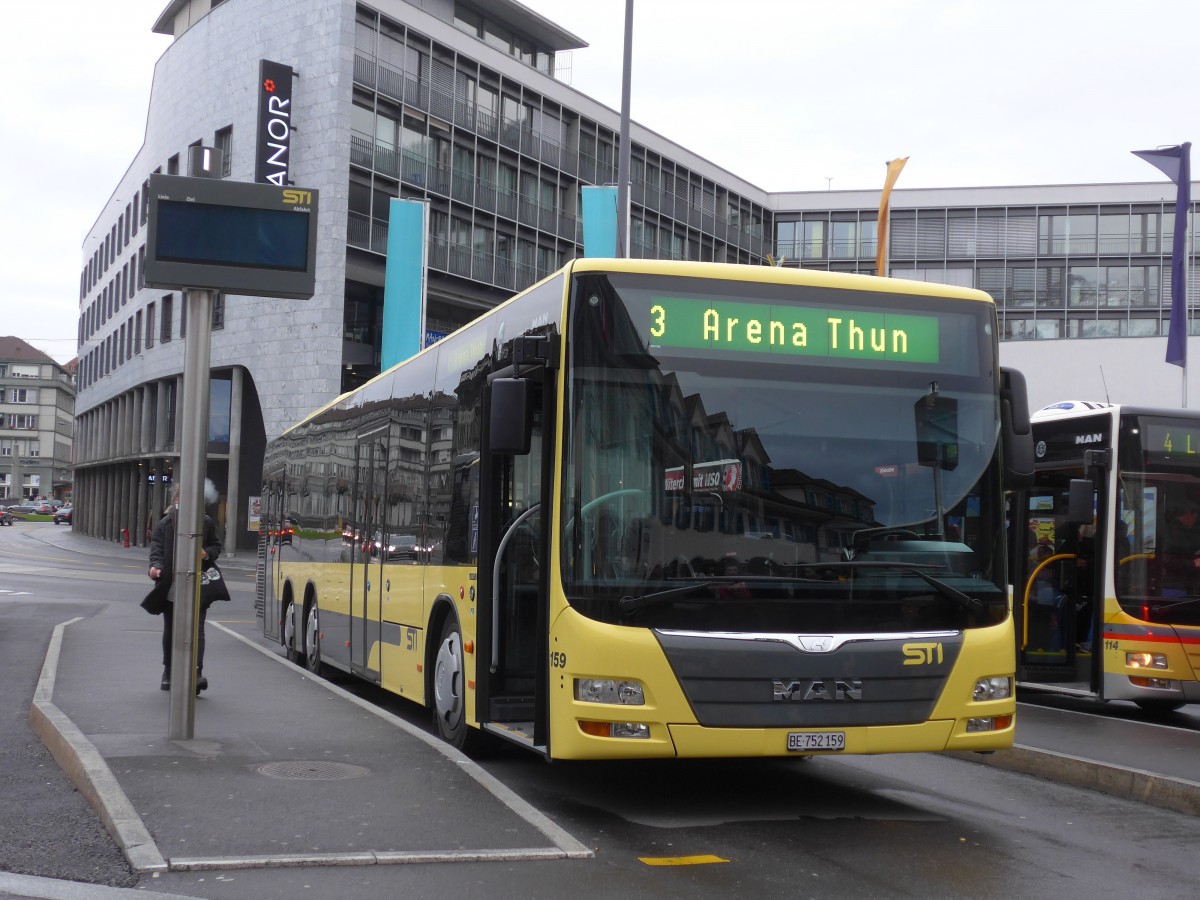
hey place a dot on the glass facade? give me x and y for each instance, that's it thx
(1064, 271)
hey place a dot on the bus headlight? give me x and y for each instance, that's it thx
(1146, 660)
(609, 690)
(998, 687)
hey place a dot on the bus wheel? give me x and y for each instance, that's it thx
(312, 640)
(289, 638)
(1159, 707)
(449, 707)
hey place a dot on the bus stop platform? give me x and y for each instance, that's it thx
(285, 769)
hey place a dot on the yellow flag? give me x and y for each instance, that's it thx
(894, 168)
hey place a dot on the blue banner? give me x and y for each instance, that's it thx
(404, 282)
(600, 221)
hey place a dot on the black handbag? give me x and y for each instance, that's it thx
(212, 586)
(158, 600)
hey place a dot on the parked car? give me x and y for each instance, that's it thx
(6, 518)
(63, 514)
(25, 509)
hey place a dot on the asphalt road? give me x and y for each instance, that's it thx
(46, 826)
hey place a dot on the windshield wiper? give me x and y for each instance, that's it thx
(967, 602)
(629, 604)
(1159, 607)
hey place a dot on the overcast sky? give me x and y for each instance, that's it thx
(788, 94)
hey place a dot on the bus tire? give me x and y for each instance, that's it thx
(449, 703)
(312, 640)
(1159, 707)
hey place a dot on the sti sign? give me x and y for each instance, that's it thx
(258, 240)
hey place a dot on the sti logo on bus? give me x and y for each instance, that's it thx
(823, 689)
(922, 654)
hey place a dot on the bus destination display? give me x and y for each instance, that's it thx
(748, 327)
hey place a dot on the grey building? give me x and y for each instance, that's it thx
(457, 104)
(37, 409)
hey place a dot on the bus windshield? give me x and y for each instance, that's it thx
(780, 458)
(1157, 541)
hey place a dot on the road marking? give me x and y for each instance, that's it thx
(681, 860)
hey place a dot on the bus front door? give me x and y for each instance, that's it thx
(1054, 597)
(513, 627)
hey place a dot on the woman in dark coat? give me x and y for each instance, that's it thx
(162, 565)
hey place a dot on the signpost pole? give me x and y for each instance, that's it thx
(208, 234)
(189, 518)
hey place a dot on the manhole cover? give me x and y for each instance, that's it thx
(311, 771)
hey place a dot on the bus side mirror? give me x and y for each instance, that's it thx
(1016, 431)
(510, 427)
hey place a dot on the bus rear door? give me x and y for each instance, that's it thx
(370, 550)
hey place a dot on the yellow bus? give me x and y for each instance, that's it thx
(668, 509)
(1108, 585)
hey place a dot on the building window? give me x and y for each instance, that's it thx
(22, 395)
(844, 240)
(23, 422)
(223, 141)
(164, 331)
(149, 325)
(34, 448)
(218, 312)
(468, 20)
(1082, 287)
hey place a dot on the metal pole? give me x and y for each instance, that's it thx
(189, 519)
(624, 150)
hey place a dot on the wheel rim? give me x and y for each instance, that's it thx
(312, 637)
(289, 627)
(447, 680)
